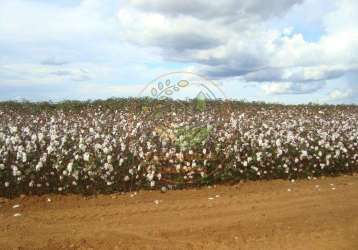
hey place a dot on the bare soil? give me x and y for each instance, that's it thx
(316, 214)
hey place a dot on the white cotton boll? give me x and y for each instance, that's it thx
(327, 162)
(177, 167)
(258, 155)
(13, 130)
(43, 158)
(204, 151)
(106, 150)
(152, 183)
(82, 147)
(24, 157)
(41, 136)
(77, 157)
(6, 184)
(18, 154)
(141, 154)
(304, 153)
(338, 152)
(2, 166)
(279, 152)
(39, 166)
(159, 176)
(244, 163)
(108, 167)
(121, 162)
(109, 158)
(86, 157)
(150, 176)
(126, 178)
(69, 167)
(16, 173)
(53, 137)
(50, 149)
(75, 174)
(97, 146)
(13, 139)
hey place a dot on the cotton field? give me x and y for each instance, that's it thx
(128, 144)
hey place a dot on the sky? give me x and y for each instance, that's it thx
(286, 51)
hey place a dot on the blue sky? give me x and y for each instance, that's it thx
(288, 51)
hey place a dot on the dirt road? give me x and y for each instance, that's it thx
(318, 214)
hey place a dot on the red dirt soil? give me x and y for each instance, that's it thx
(318, 214)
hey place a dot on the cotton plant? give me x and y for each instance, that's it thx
(113, 146)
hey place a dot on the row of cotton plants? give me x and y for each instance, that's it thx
(125, 145)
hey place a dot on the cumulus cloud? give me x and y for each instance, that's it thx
(54, 61)
(224, 9)
(53, 43)
(77, 75)
(267, 45)
(339, 94)
(27, 74)
(300, 74)
(284, 88)
(234, 39)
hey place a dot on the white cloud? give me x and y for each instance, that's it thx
(235, 39)
(48, 44)
(34, 74)
(285, 88)
(339, 94)
(39, 20)
(225, 9)
(100, 43)
(300, 74)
